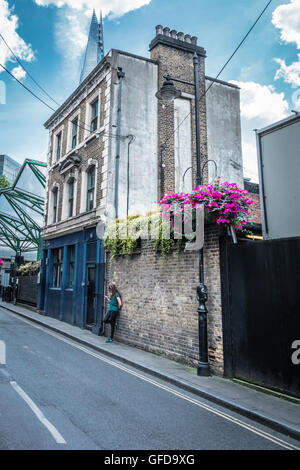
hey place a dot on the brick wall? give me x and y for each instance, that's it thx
(159, 313)
(253, 190)
(255, 215)
(175, 57)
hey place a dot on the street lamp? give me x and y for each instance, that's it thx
(168, 93)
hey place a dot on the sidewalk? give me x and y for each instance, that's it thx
(277, 413)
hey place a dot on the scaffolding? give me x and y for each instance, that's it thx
(22, 209)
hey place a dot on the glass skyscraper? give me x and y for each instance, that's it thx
(9, 167)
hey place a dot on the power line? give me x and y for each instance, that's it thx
(222, 69)
(26, 88)
(19, 62)
(28, 73)
(52, 109)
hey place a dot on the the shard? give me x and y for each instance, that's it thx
(95, 47)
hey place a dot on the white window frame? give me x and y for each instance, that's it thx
(65, 202)
(59, 130)
(88, 112)
(55, 187)
(71, 119)
(84, 177)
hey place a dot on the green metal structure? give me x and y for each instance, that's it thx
(22, 209)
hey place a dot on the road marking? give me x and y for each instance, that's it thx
(39, 414)
(2, 353)
(249, 427)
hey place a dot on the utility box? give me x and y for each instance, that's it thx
(278, 151)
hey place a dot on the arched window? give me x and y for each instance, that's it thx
(90, 200)
(71, 186)
(54, 205)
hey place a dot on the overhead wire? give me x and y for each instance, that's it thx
(28, 73)
(221, 70)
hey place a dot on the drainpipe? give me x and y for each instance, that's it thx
(131, 139)
(121, 75)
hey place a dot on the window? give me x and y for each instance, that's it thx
(55, 198)
(57, 267)
(90, 188)
(71, 198)
(58, 146)
(74, 133)
(71, 265)
(94, 116)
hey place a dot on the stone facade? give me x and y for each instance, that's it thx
(89, 149)
(159, 312)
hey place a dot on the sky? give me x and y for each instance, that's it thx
(49, 37)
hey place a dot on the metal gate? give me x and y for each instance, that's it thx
(261, 312)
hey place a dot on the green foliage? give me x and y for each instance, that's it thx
(121, 237)
(4, 183)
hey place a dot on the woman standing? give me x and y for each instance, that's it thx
(115, 303)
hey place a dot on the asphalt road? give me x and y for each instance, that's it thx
(57, 394)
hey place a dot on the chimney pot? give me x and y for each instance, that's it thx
(194, 40)
(159, 29)
(174, 34)
(166, 31)
(180, 36)
(188, 38)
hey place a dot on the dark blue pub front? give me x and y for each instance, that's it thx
(72, 279)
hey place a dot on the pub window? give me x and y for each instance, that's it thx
(74, 133)
(55, 199)
(58, 146)
(71, 198)
(90, 188)
(57, 267)
(71, 265)
(94, 116)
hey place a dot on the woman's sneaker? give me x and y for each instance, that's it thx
(109, 340)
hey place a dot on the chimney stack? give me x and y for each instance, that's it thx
(159, 29)
(177, 40)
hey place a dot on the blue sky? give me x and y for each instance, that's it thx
(50, 35)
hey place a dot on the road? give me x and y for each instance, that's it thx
(58, 394)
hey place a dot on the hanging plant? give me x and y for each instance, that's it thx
(223, 203)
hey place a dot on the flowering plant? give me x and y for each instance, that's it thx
(228, 203)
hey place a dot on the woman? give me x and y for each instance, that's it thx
(115, 303)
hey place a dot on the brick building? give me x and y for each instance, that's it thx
(114, 149)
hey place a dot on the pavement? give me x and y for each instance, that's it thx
(277, 413)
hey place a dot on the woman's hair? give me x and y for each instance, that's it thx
(112, 289)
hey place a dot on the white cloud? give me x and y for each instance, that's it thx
(18, 72)
(261, 105)
(290, 73)
(287, 18)
(71, 29)
(8, 28)
(114, 8)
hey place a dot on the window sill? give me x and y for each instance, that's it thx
(83, 143)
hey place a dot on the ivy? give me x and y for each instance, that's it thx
(122, 236)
